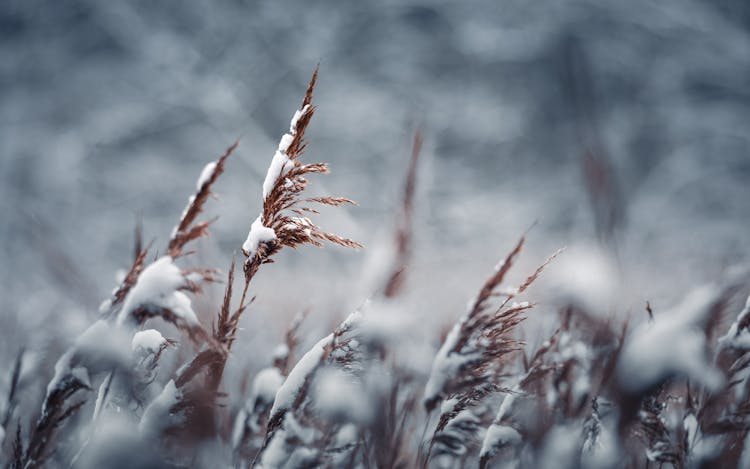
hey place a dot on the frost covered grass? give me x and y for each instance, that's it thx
(663, 387)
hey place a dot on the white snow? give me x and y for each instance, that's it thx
(387, 324)
(100, 396)
(604, 450)
(158, 286)
(587, 277)
(281, 454)
(345, 441)
(276, 454)
(354, 318)
(99, 338)
(690, 424)
(297, 114)
(258, 234)
(149, 340)
(498, 433)
(448, 405)
(206, 174)
(561, 447)
(262, 394)
(266, 384)
(338, 397)
(569, 348)
(191, 199)
(673, 344)
(284, 143)
(280, 352)
(180, 303)
(105, 305)
(505, 407)
(735, 338)
(280, 164)
(238, 429)
(65, 368)
(446, 365)
(498, 436)
(157, 415)
(99, 347)
(462, 429)
(288, 391)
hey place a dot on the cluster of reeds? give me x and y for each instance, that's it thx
(673, 390)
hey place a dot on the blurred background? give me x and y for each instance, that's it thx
(619, 128)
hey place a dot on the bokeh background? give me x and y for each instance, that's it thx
(619, 129)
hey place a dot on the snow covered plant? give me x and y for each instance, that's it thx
(144, 385)
(121, 359)
(283, 221)
(102, 353)
(252, 418)
(471, 363)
